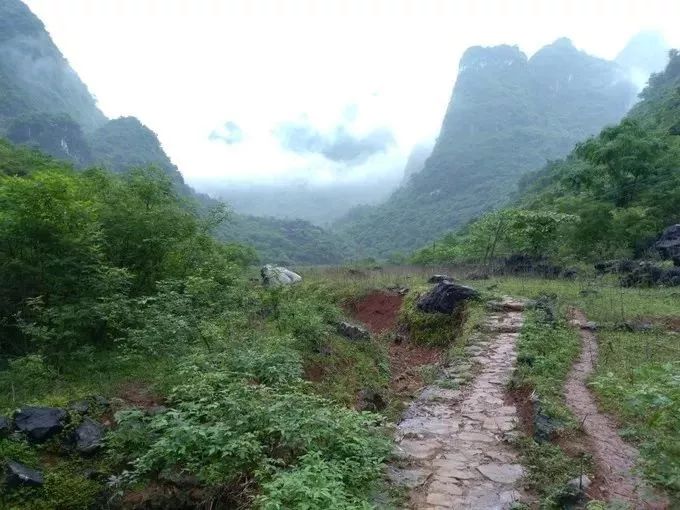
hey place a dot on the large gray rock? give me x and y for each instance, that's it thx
(352, 331)
(445, 297)
(88, 436)
(274, 276)
(19, 475)
(668, 244)
(40, 423)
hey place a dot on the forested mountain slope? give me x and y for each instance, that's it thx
(508, 115)
(611, 197)
(45, 105)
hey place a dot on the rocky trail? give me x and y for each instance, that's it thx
(614, 458)
(452, 443)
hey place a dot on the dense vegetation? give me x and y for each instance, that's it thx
(110, 280)
(508, 115)
(610, 198)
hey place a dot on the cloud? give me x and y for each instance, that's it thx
(338, 144)
(229, 133)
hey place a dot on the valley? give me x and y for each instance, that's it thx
(494, 326)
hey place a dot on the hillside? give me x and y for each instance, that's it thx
(508, 114)
(611, 197)
(45, 105)
(34, 75)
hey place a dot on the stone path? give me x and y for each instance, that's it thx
(614, 458)
(451, 442)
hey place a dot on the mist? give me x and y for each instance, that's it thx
(328, 104)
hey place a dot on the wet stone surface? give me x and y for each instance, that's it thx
(450, 443)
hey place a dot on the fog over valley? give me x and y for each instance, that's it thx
(328, 103)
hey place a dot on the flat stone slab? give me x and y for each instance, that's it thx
(502, 473)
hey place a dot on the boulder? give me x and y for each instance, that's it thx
(88, 436)
(352, 331)
(445, 297)
(438, 278)
(370, 400)
(5, 426)
(275, 276)
(668, 244)
(18, 475)
(40, 423)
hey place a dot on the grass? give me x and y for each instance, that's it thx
(637, 378)
(545, 353)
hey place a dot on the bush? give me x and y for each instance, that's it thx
(250, 415)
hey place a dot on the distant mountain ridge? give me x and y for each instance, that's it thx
(508, 115)
(45, 105)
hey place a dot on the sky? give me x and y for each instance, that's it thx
(279, 91)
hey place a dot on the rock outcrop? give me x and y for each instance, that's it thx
(668, 244)
(445, 297)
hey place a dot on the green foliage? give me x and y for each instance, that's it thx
(648, 399)
(548, 471)
(433, 329)
(545, 353)
(250, 415)
(535, 233)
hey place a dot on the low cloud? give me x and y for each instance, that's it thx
(229, 133)
(338, 145)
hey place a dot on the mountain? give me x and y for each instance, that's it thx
(416, 159)
(611, 197)
(45, 105)
(508, 114)
(34, 75)
(644, 54)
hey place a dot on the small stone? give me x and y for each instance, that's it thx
(88, 436)
(502, 473)
(352, 331)
(19, 475)
(581, 483)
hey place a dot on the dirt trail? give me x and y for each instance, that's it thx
(614, 458)
(451, 442)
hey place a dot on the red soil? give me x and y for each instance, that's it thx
(378, 311)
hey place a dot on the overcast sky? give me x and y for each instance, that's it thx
(235, 88)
